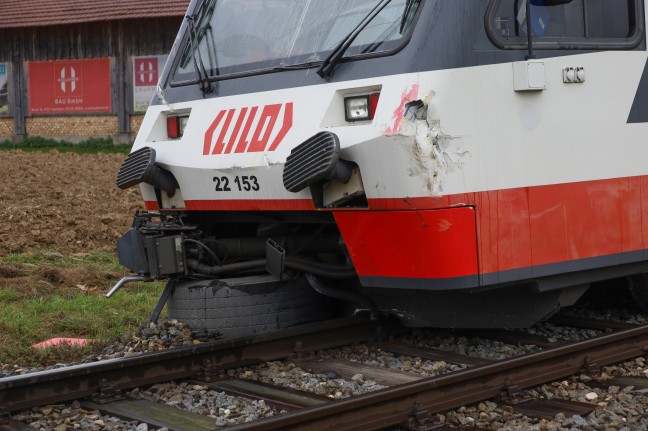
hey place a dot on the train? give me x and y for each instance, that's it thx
(455, 164)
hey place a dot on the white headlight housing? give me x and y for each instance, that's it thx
(361, 108)
(356, 108)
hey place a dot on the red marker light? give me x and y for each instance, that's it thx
(173, 127)
(373, 104)
(176, 125)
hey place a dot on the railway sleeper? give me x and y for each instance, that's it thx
(521, 401)
(154, 414)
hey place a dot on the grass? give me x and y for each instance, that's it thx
(29, 315)
(88, 146)
(29, 321)
(103, 260)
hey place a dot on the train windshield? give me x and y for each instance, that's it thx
(245, 36)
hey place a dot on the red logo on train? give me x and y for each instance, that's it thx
(248, 130)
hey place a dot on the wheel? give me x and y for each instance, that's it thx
(240, 307)
(638, 286)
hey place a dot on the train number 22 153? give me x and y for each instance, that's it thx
(242, 183)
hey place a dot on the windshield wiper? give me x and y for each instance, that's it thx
(384, 36)
(328, 65)
(408, 7)
(298, 66)
(203, 78)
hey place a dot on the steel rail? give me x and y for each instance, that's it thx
(84, 380)
(428, 396)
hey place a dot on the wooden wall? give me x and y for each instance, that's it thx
(119, 40)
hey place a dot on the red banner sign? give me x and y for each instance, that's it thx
(69, 86)
(146, 71)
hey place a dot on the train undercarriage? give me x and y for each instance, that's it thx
(244, 273)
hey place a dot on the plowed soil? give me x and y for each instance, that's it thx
(63, 204)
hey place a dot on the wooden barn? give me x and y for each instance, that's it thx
(72, 69)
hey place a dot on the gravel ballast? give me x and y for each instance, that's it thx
(616, 408)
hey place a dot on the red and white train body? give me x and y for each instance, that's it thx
(487, 188)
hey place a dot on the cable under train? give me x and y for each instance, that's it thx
(453, 163)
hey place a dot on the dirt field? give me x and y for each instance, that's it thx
(62, 203)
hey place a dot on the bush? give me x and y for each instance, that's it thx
(89, 146)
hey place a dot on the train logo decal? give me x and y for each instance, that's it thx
(68, 79)
(249, 129)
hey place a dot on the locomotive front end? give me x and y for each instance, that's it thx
(244, 157)
(307, 158)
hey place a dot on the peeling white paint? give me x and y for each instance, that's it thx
(436, 152)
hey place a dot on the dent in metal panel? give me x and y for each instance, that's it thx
(435, 152)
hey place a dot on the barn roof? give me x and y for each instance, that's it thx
(38, 13)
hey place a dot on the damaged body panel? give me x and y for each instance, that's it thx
(403, 156)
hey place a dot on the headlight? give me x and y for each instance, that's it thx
(360, 108)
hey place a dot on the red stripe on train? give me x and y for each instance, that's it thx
(515, 228)
(420, 244)
(242, 205)
(526, 227)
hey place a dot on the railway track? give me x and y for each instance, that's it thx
(407, 399)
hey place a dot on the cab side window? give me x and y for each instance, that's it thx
(608, 18)
(575, 24)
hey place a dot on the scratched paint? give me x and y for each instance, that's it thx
(435, 152)
(408, 95)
